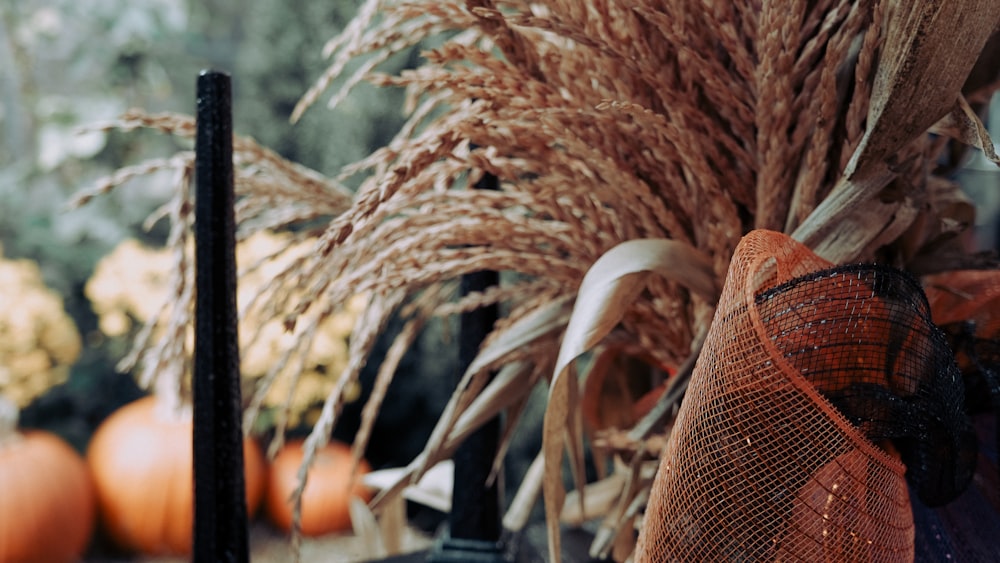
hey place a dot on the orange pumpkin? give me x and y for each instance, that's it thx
(326, 498)
(46, 500)
(141, 460)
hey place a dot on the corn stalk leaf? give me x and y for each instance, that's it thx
(600, 499)
(366, 527)
(548, 318)
(506, 388)
(638, 478)
(612, 284)
(519, 512)
(962, 124)
(870, 226)
(929, 51)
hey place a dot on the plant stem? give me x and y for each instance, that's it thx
(170, 402)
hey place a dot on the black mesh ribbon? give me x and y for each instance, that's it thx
(862, 335)
(977, 349)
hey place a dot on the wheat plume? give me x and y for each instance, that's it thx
(604, 122)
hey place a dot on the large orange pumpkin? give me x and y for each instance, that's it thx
(46, 500)
(326, 498)
(141, 460)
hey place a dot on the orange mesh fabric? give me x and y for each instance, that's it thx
(862, 335)
(761, 465)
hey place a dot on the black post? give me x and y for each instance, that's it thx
(475, 525)
(220, 513)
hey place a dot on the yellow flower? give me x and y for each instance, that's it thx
(131, 284)
(38, 340)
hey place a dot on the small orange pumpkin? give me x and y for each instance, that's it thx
(141, 460)
(326, 498)
(47, 508)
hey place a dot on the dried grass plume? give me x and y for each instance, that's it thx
(604, 123)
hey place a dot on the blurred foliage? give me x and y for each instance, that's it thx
(69, 64)
(38, 341)
(131, 285)
(277, 67)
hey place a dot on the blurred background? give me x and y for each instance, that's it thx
(69, 64)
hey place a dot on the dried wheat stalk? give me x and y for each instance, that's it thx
(607, 122)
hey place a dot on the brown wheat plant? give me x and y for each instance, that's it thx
(634, 144)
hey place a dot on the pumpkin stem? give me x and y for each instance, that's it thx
(9, 413)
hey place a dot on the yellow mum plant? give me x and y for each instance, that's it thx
(131, 287)
(38, 340)
(47, 504)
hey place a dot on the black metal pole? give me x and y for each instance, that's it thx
(475, 524)
(220, 514)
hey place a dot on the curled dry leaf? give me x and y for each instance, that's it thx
(609, 288)
(962, 124)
